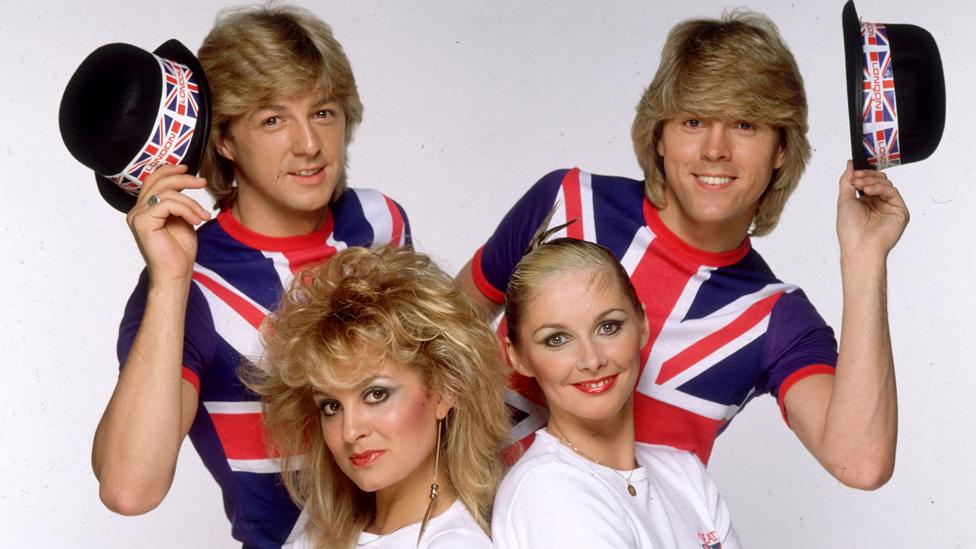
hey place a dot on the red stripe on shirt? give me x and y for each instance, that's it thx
(297, 260)
(241, 435)
(243, 307)
(659, 285)
(397, 219)
(662, 423)
(718, 339)
(574, 204)
(319, 251)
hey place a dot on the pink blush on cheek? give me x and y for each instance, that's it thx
(413, 418)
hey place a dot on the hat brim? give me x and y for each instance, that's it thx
(854, 60)
(175, 51)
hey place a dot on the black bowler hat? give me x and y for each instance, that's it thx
(895, 92)
(125, 111)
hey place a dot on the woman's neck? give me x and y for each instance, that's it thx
(608, 442)
(406, 502)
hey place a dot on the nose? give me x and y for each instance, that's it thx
(590, 356)
(305, 140)
(354, 425)
(716, 145)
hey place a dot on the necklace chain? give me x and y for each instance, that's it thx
(562, 438)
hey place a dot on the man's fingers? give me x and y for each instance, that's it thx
(157, 207)
(173, 207)
(168, 177)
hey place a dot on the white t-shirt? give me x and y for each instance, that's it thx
(553, 497)
(451, 529)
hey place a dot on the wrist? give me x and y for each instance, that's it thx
(863, 272)
(863, 257)
(166, 288)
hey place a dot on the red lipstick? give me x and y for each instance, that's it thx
(366, 458)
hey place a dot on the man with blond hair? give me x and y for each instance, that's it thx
(721, 136)
(285, 106)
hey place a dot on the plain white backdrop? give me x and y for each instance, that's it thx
(467, 104)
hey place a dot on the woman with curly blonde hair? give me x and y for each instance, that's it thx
(382, 388)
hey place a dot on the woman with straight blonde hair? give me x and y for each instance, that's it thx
(382, 390)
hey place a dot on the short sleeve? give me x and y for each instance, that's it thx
(367, 217)
(405, 237)
(547, 507)
(496, 259)
(199, 337)
(798, 343)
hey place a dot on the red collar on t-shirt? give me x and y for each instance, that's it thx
(239, 232)
(716, 259)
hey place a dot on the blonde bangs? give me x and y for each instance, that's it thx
(257, 54)
(734, 68)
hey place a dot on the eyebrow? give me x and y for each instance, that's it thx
(276, 107)
(359, 386)
(558, 326)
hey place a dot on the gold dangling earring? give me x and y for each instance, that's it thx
(434, 487)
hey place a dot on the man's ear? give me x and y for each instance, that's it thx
(445, 403)
(224, 146)
(780, 157)
(516, 361)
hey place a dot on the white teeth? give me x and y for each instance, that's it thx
(306, 173)
(597, 385)
(709, 180)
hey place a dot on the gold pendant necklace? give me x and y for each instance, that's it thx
(562, 438)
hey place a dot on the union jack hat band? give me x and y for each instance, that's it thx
(888, 128)
(879, 115)
(176, 121)
(127, 110)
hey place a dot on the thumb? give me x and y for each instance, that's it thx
(847, 182)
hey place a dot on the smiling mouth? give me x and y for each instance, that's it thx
(366, 458)
(597, 386)
(715, 181)
(308, 172)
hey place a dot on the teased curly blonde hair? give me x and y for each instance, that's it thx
(391, 304)
(735, 67)
(255, 54)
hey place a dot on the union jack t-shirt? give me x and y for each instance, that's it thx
(723, 328)
(238, 278)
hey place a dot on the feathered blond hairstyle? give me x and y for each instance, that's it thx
(735, 67)
(255, 54)
(391, 304)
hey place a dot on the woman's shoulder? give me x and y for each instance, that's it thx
(549, 472)
(676, 471)
(659, 456)
(545, 460)
(455, 528)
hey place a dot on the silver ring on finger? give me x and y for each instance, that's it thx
(153, 200)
